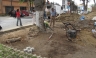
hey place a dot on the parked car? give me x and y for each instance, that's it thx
(12, 13)
(25, 13)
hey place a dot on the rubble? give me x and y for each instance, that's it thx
(13, 40)
(29, 49)
(94, 32)
(33, 31)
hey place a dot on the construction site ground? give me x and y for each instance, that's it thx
(84, 46)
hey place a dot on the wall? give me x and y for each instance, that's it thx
(15, 3)
(58, 9)
(0, 6)
(64, 3)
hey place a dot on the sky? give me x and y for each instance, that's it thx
(76, 1)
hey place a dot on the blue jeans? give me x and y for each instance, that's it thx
(19, 19)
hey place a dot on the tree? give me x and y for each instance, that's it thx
(94, 2)
(73, 7)
(39, 7)
(85, 4)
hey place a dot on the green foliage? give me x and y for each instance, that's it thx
(6, 52)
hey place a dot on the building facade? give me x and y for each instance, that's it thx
(8, 5)
(64, 4)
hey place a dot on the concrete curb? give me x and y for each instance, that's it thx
(14, 29)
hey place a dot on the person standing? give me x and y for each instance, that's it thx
(44, 15)
(53, 15)
(33, 17)
(18, 17)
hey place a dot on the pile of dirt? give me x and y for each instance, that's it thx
(87, 38)
(73, 18)
(90, 15)
(68, 17)
(56, 47)
(84, 24)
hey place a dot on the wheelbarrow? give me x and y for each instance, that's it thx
(71, 31)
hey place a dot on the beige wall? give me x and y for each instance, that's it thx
(15, 3)
(0, 6)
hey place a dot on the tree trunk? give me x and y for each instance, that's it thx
(84, 5)
(39, 6)
(40, 20)
(94, 1)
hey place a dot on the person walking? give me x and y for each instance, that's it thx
(33, 17)
(18, 17)
(53, 15)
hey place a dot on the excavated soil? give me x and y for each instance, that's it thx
(68, 17)
(58, 46)
(90, 15)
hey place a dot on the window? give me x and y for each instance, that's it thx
(22, 8)
(23, 0)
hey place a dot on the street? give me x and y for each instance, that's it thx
(10, 22)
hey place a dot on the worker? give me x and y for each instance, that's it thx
(53, 15)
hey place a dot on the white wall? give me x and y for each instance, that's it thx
(58, 9)
(64, 2)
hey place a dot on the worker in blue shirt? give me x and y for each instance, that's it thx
(53, 15)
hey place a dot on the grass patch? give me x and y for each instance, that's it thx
(6, 52)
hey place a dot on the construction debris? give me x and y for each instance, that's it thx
(94, 32)
(51, 36)
(13, 40)
(33, 31)
(29, 49)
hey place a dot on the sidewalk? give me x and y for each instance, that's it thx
(9, 23)
(16, 28)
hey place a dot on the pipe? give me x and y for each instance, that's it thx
(51, 35)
